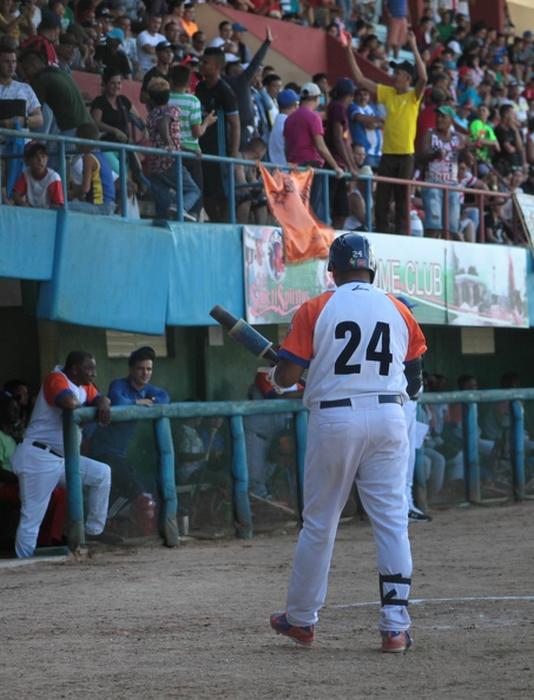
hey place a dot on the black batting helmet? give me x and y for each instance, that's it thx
(352, 251)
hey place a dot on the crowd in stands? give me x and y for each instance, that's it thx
(456, 108)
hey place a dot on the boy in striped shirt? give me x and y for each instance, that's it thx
(192, 127)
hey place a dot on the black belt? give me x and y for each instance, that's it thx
(42, 446)
(342, 403)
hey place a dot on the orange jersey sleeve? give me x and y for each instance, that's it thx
(416, 339)
(92, 392)
(55, 385)
(298, 345)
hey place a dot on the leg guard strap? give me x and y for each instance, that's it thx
(389, 593)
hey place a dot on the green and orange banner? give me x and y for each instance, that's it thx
(464, 284)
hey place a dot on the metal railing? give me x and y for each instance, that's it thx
(470, 401)
(234, 411)
(180, 156)
(161, 415)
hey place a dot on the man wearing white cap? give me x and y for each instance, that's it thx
(305, 145)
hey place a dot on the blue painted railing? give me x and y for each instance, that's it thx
(122, 149)
(161, 416)
(470, 401)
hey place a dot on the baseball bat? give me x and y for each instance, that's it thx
(243, 333)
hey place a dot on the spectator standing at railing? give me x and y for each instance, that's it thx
(338, 141)
(38, 185)
(268, 104)
(402, 104)
(512, 153)
(439, 154)
(357, 205)
(192, 126)
(366, 126)
(494, 225)
(288, 102)
(305, 144)
(251, 200)
(147, 42)
(240, 79)
(221, 138)
(163, 126)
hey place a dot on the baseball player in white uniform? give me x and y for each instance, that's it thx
(415, 515)
(38, 460)
(363, 349)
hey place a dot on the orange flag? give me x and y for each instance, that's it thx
(288, 195)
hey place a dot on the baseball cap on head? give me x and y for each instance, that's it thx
(310, 90)
(352, 251)
(286, 98)
(406, 66)
(447, 111)
(344, 86)
(164, 45)
(238, 27)
(116, 33)
(213, 51)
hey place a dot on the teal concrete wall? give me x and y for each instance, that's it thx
(27, 240)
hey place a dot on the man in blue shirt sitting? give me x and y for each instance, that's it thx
(114, 440)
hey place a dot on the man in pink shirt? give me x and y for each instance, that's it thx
(305, 145)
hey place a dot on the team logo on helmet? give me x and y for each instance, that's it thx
(352, 251)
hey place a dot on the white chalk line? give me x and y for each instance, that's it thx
(423, 601)
(30, 561)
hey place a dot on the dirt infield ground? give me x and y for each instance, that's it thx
(150, 622)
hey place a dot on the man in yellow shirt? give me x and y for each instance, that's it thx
(402, 104)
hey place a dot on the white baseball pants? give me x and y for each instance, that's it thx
(366, 443)
(410, 413)
(39, 472)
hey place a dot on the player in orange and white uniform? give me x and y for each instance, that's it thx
(363, 349)
(38, 460)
